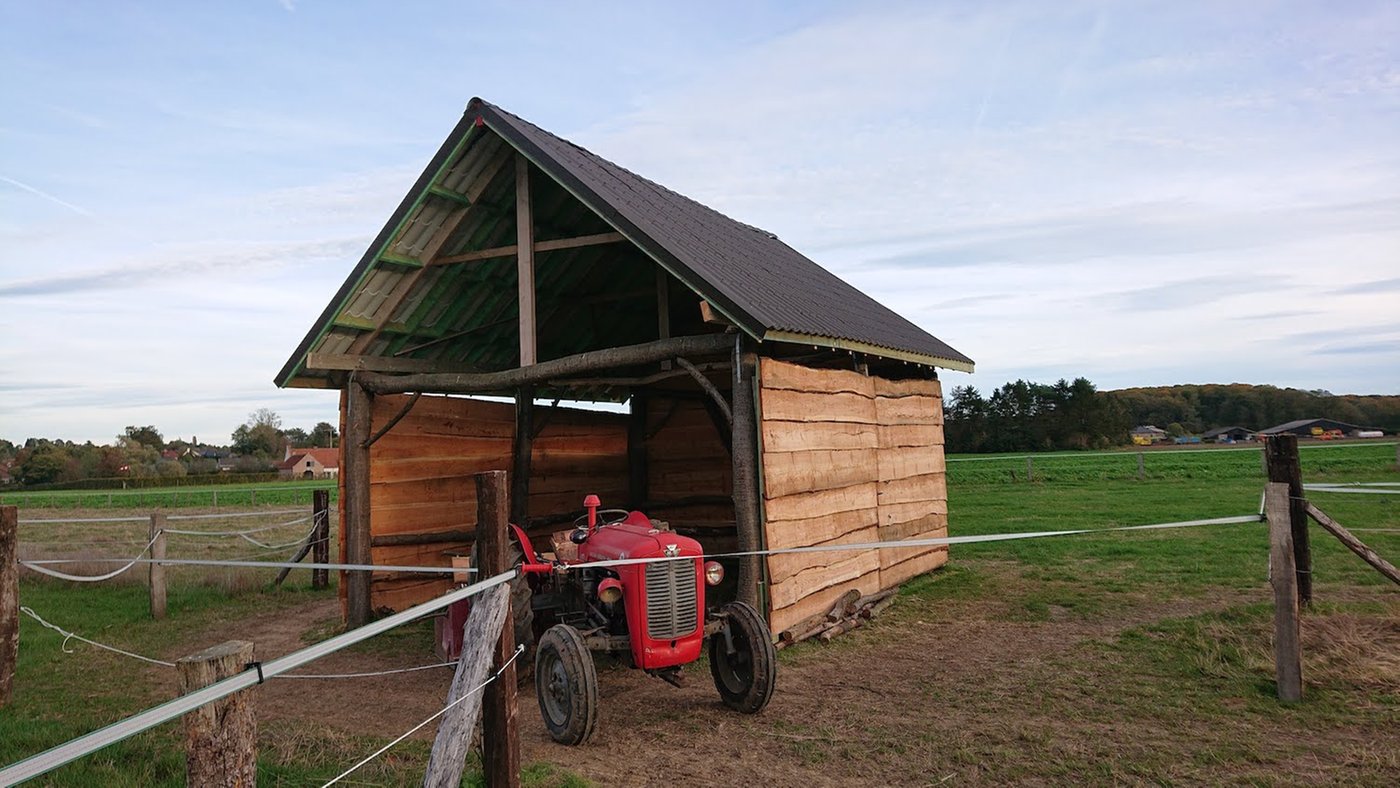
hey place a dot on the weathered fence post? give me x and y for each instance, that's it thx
(500, 736)
(1288, 647)
(9, 600)
(320, 515)
(1281, 452)
(220, 736)
(480, 634)
(156, 572)
(1142, 470)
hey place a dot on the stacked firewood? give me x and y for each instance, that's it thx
(850, 612)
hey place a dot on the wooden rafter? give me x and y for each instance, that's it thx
(501, 252)
(348, 362)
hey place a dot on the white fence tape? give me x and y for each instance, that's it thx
(48, 760)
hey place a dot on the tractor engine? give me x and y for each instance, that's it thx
(662, 602)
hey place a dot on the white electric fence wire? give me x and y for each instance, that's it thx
(1364, 488)
(518, 651)
(368, 674)
(92, 578)
(892, 545)
(67, 636)
(69, 751)
(186, 532)
(173, 517)
(1153, 452)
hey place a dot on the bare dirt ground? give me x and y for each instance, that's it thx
(929, 695)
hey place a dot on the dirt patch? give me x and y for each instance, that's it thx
(935, 692)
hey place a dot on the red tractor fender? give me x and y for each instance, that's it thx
(531, 563)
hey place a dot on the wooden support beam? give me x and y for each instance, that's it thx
(355, 462)
(455, 535)
(398, 417)
(525, 260)
(663, 308)
(500, 734)
(346, 362)
(1281, 453)
(521, 448)
(712, 316)
(709, 388)
(1355, 545)
(221, 737)
(744, 456)
(637, 479)
(156, 571)
(1288, 647)
(511, 250)
(644, 380)
(508, 380)
(9, 601)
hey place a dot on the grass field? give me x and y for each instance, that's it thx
(1162, 672)
(208, 495)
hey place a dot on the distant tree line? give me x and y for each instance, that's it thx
(142, 452)
(1197, 408)
(1025, 416)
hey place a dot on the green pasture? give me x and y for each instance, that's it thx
(221, 496)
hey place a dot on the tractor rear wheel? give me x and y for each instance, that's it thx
(566, 685)
(746, 677)
(522, 614)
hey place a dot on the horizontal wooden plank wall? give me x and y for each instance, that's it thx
(419, 476)
(847, 458)
(687, 458)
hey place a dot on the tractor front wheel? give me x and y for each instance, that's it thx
(744, 677)
(566, 685)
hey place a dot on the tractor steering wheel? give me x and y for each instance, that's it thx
(617, 515)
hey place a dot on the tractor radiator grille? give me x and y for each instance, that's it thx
(672, 607)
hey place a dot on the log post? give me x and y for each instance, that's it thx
(1281, 452)
(522, 447)
(500, 735)
(1288, 647)
(637, 478)
(156, 572)
(744, 459)
(9, 601)
(480, 634)
(321, 517)
(355, 460)
(220, 736)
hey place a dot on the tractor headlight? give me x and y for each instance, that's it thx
(714, 573)
(610, 590)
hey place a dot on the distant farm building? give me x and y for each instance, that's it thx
(769, 403)
(1146, 435)
(1227, 435)
(1319, 428)
(310, 464)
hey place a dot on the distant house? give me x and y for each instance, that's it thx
(1317, 428)
(1146, 434)
(310, 464)
(1227, 435)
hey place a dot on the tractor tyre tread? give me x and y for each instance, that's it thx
(753, 631)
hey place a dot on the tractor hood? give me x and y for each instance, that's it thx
(635, 538)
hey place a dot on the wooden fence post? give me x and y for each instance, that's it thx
(321, 517)
(480, 634)
(156, 572)
(500, 736)
(9, 601)
(1288, 647)
(1030, 470)
(220, 736)
(1281, 452)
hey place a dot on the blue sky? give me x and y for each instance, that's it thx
(1145, 193)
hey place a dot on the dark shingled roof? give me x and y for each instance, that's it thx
(758, 281)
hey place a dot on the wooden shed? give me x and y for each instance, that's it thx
(768, 403)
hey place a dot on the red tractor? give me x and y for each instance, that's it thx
(597, 594)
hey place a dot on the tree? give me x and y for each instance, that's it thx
(261, 435)
(297, 437)
(324, 435)
(46, 463)
(146, 436)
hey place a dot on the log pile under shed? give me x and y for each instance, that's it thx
(850, 612)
